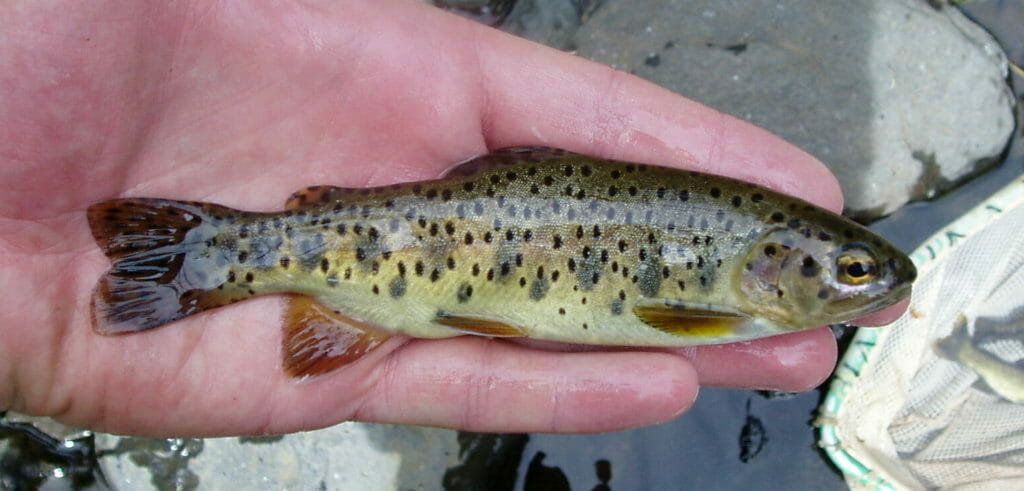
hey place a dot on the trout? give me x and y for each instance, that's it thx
(523, 242)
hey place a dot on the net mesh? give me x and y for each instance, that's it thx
(909, 414)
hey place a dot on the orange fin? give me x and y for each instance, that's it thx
(314, 195)
(691, 320)
(151, 281)
(503, 157)
(318, 339)
(479, 326)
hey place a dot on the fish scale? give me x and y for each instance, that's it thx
(531, 242)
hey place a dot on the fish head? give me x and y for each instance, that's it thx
(802, 280)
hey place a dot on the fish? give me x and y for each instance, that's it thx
(524, 242)
(1004, 378)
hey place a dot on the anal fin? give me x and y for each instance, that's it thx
(692, 320)
(479, 326)
(318, 339)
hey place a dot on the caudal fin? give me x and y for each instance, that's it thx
(152, 280)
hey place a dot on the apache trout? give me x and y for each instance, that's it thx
(523, 242)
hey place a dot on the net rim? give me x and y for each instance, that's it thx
(858, 354)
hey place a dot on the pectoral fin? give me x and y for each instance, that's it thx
(479, 326)
(693, 320)
(318, 339)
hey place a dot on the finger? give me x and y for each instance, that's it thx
(885, 316)
(484, 385)
(790, 362)
(549, 97)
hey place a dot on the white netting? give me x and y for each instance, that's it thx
(901, 413)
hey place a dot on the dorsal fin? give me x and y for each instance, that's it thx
(504, 157)
(315, 195)
(318, 339)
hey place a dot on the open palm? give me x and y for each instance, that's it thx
(241, 104)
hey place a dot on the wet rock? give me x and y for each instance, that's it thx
(346, 456)
(901, 98)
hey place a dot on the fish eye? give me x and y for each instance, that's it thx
(856, 266)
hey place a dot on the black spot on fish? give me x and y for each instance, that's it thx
(778, 217)
(824, 237)
(446, 194)
(794, 223)
(248, 277)
(243, 257)
(451, 262)
(684, 195)
(682, 285)
(468, 239)
(823, 293)
(435, 275)
(617, 307)
(324, 265)
(375, 289)
(401, 269)
(809, 268)
(464, 292)
(737, 201)
(419, 268)
(285, 261)
(622, 246)
(488, 237)
(231, 276)
(770, 250)
(539, 288)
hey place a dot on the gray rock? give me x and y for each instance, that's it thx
(901, 99)
(346, 456)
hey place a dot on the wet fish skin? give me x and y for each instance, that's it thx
(1004, 378)
(529, 242)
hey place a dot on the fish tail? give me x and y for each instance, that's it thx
(950, 347)
(156, 248)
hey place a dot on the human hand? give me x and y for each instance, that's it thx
(242, 104)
